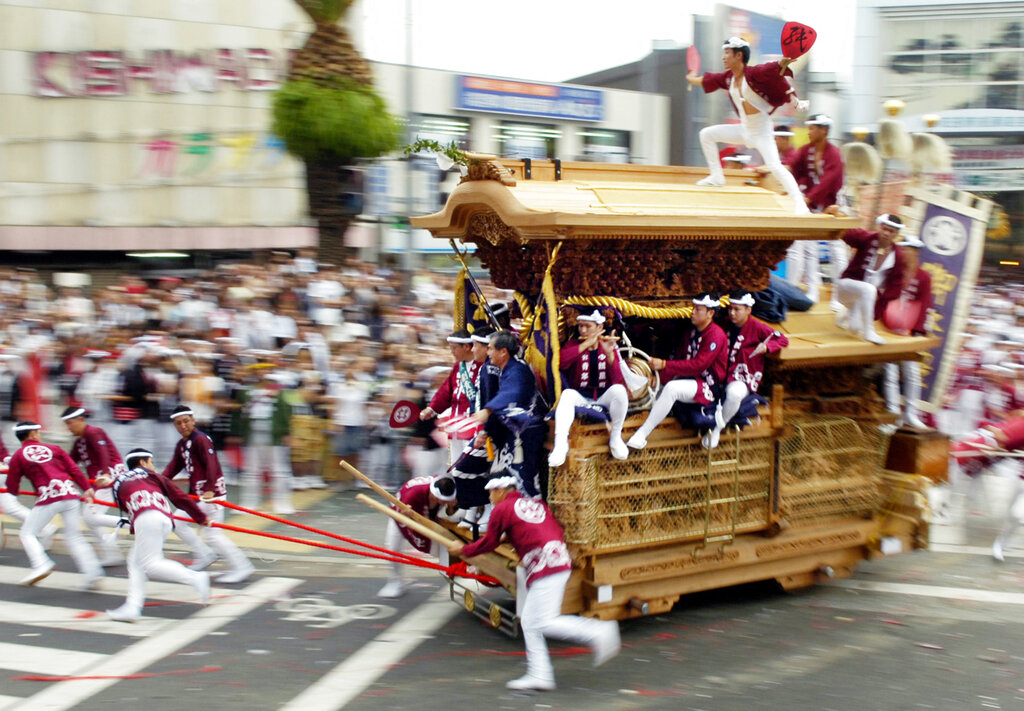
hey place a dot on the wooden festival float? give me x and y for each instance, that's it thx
(799, 496)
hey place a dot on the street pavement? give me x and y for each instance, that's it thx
(937, 629)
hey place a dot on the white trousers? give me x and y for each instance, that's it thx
(734, 394)
(684, 390)
(395, 541)
(146, 559)
(755, 131)
(218, 542)
(540, 616)
(100, 520)
(70, 512)
(802, 266)
(859, 298)
(1014, 515)
(262, 456)
(615, 398)
(911, 371)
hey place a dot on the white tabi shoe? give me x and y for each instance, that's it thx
(393, 589)
(238, 575)
(618, 448)
(530, 683)
(558, 454)
(709, 181)
(997, 551)
(872, 337)
(38, 574)
(124, 614)
(607, 645)
(911, 420)
(637, 441)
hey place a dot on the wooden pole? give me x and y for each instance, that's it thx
(373, 485)
(408, 522)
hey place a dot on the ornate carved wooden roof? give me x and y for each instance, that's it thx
(589, 201)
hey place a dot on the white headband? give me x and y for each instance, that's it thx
(502, 482)
(480, 339)
(27, 428)
(72, 415)
(745, 300)
(462, 340)
(182, 413)
(437, 492)
(784, 133)
(912, 243)
(886, 219)
(137, 455)
(708, 301)
(735, 43)
(595, 317)
(819, 120)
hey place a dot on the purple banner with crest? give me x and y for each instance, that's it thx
(950, 258)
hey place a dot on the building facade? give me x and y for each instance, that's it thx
(962, 63)
(137, 126)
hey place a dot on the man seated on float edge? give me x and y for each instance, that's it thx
(591, 366)
(873, 278)
(750, 340)
(696, 377)
(755, 93)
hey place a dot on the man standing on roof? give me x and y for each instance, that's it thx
(697, 377)
(147, 498)
(194, 455)
(818, 169)
(543, 570)
(54, 477)
(873, 278)
(594, 377)
(95, 452)
(756, 92)
(750, 340)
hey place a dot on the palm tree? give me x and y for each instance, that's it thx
(328, 114)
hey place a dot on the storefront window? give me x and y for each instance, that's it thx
(605, 146)
(527, 140)
(443, 129)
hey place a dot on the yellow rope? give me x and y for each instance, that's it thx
(628, 308)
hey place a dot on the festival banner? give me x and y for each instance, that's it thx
(470, 311)
(542, 344)
(954, 237)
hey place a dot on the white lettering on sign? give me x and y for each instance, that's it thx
(103, 73)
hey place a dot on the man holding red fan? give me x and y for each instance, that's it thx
(755, 93)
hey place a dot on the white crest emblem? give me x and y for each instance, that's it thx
(38, 454)
(944, 235)
(530, 511)
(713, 346)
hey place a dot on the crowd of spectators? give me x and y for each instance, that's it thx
(344, 343)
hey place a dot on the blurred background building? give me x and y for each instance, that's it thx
(137, 127)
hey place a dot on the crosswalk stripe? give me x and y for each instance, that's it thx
(79, 620)
(6, 701)
(350, 678)
(155, 590)
(138, 656)
(45, 660)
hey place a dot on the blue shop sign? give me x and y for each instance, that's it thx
(527, 99)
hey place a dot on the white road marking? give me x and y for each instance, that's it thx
(79, 620)
(970, 594)
(970, 550)
(350, 678)
(155, 590)
(138, 656)
(44, 660)
(6, 701)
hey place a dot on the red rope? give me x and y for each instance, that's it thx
(455, 570)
